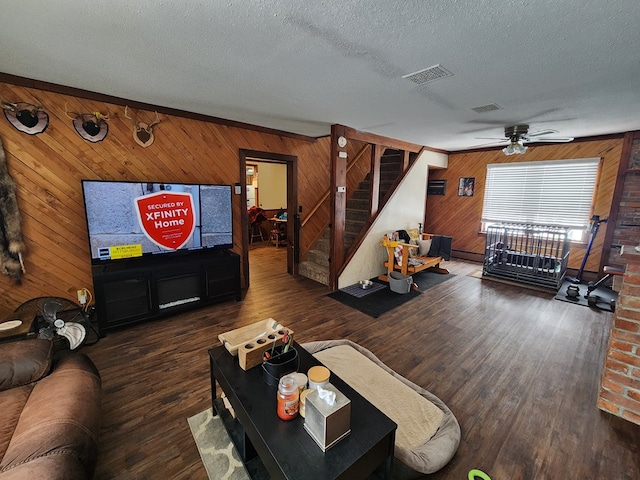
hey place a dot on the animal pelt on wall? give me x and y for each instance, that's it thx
(11, 244)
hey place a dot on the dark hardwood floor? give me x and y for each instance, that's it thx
(518, 369)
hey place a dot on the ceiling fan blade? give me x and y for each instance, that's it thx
(501, 139)
(550, 139)
(490, 144)
(542, 132)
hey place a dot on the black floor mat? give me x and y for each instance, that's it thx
(606, 296)
(384, 300)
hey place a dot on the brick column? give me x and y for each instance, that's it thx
(620, 381)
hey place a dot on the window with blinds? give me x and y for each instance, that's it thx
(554, 192)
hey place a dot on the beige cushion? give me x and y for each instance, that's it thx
(417, 418)
(424, 247)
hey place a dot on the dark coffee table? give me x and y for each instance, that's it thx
(284, 447)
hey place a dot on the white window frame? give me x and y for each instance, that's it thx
(547, 192)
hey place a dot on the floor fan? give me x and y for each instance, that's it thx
(74, 332)
(57, 317)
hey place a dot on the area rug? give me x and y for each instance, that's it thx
(222, 461)
(219, 456)
(384, 300)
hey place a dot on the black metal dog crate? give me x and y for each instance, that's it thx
(534, 254)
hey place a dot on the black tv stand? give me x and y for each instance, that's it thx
(133, 290)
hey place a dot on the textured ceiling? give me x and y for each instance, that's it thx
(300, 66)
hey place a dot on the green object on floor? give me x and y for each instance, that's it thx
(475, 474)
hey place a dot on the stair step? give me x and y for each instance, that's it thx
(360, 194)
(358, 204)
(348, 240)
(323, 244)
(353, 226)
(319, 257)
(385, 177)
(354, 215)
(390, 167)
(314, 272)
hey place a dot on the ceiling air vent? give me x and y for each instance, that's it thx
(487, 108)
(428, 75)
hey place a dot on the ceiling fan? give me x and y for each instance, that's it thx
(517, 135)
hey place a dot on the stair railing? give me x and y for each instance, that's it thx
(325, 196)
(363, 153)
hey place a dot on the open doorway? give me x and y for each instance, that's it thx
(270, 189)
(266, 184)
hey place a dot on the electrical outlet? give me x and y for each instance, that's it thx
(82, 296)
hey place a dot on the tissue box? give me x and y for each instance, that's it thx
(327, 424)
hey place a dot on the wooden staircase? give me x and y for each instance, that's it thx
(357, 214)
(316, 267)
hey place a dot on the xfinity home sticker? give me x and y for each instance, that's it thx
(167, 219)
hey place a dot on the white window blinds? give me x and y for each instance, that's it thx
(554, 192)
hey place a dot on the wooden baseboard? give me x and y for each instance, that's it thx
(461, 254)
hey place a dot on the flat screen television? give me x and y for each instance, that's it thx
(134, 219)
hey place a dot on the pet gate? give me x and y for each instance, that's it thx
(534, 254)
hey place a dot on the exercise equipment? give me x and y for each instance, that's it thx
(601, 297)
(593, 299)
(573, 291)
(596, 294)
(609, 271)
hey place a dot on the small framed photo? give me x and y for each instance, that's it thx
(466, 187)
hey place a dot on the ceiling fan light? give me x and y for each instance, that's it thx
(514, 147)
(520, 148)
(508, 150)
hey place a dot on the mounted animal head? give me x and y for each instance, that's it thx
(90, 126)
(142, 132)
(25, 117)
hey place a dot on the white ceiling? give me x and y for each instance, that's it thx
(301, 66)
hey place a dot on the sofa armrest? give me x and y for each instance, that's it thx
(60, 418)
(24, 361)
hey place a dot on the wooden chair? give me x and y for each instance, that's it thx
(256, 231)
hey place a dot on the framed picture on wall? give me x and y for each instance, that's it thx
(466, 187)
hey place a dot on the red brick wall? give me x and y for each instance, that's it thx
(627, 228)
(620, 381)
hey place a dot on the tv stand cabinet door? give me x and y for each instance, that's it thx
(123, 298)
(222, 278)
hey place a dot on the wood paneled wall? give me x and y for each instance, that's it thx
(48, 167)
(460, 217)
